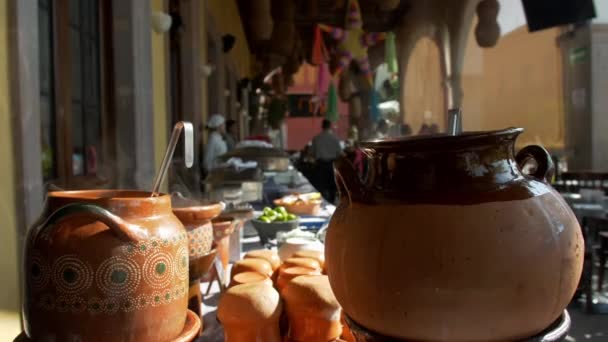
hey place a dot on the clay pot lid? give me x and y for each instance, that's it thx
(198, 214)
(443, 141)
(252, 265)
(249, 277)
(249, 304)
(266, 254)
(302, 262)
(312, 294)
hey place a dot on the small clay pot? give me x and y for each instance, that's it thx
(312, 309)
(248, 278)
(271, 256)
(319, 256)
(287, 274)
(250, 312)
(300, 262)
(252, 265)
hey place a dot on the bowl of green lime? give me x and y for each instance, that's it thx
(272, 221)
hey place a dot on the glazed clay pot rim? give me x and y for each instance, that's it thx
(107, 194)
(443, 141)
(204, 212)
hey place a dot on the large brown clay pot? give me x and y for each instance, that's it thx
(446, 239)
(106, 265)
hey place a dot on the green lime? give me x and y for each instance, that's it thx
(265, 219)
(281, 210)
(291, 217)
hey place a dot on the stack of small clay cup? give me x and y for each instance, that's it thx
(270, 300)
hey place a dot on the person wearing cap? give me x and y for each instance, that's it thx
(216, 146)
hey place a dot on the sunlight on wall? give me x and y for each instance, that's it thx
(159, 80)
(423, 86)
(9, 296)
(519, 84)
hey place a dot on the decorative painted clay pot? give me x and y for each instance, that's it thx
(444, 238)
(197, 221)
(106, 265)
(312, 309)
(250, 312)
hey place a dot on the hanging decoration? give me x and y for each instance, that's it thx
(319, 58)
(390, 55)
(353, 42)
(332, 104)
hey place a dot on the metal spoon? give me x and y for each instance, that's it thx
(188, 152)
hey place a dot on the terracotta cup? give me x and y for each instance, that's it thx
(271, 256)
(319, 256)
(249, 277)
(312, 309)
(252, 265)
(106, 265)
(287, 274)
(300, 262)
(250, 312)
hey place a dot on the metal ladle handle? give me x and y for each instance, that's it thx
(454, 121)
(188, 152)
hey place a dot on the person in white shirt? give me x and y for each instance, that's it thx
(216, 146)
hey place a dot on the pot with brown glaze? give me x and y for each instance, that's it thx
(444, 238)
(106, 265)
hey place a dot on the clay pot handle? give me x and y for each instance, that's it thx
(544, 171)
(348, 181)
(124, 230)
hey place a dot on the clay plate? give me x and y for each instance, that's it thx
(189, 333)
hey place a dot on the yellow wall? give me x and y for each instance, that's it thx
(423, 86)
(518, 83)
(228, 20)
(203, 56)
(159, 79)
(9, 296)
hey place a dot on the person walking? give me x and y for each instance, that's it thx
(326, 148)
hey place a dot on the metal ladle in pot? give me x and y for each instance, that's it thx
(188, 152)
